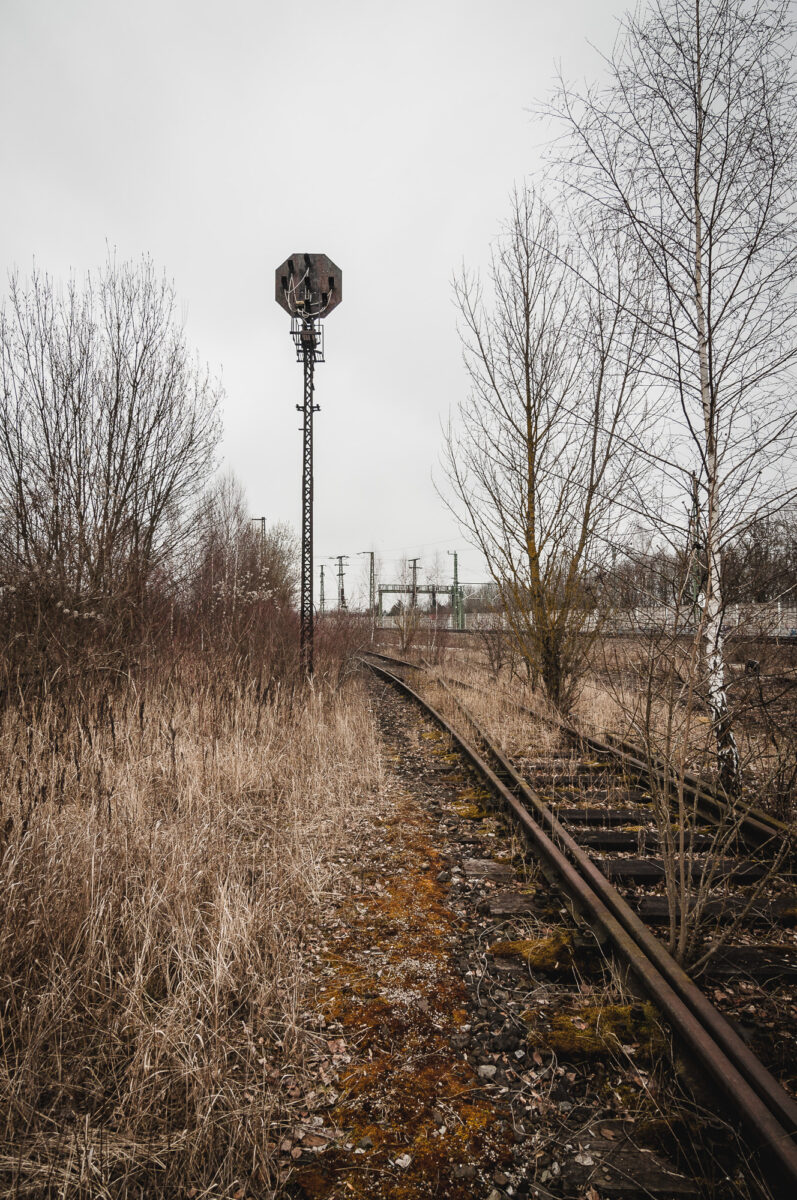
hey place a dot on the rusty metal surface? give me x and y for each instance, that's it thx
(757, 827)
(762, 827)
(764, 1108)
(308, 285)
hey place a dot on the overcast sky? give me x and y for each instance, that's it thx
(222, 137)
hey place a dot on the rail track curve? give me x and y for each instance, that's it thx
(762, 1107)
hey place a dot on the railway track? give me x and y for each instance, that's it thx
(589, 822)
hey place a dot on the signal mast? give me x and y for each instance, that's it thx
(308, 287)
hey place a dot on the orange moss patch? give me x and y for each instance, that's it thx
(399, 1000)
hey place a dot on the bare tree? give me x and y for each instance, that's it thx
(689, 148)
(540, 457)
(406, 615)
(242, 578)
(107, 434)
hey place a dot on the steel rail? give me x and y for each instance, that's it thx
(764, 1108)
(755, 821)
(756, 826)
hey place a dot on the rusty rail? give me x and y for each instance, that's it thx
(764, 1108)
(757, 827)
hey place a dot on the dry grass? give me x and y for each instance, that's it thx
(516, 731)
(633, 696)
(162, 849)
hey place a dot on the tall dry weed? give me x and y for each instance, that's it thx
(162, 848)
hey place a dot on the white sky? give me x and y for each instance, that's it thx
(222, 137)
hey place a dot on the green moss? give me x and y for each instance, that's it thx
(549, 954)
(470, 812)
(598, 1031)
(474, 793)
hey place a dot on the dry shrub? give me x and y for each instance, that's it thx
(163, 847)
(503, 713)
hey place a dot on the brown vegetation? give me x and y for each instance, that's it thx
(163, 845)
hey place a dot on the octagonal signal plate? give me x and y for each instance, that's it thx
(308, 285)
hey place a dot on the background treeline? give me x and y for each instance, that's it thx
(119, 542)
(168, 797)
(759, 566)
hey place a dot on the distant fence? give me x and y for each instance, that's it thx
(774, 619)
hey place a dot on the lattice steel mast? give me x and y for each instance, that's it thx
(307, 343)
(308, 286)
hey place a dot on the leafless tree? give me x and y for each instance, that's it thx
(242, 578)
(539, 456)
(107, 433)
(406, 615)
(689, 147)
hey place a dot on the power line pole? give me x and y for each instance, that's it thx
(340, 559)
(371, 589)
(308, 287)
(456, 599)
(321, 591)
(261, 521)
(414, 565)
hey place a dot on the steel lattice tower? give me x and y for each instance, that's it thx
(308, 286)
(307, 338)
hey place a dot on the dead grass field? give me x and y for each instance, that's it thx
(632, 694)
(162, 848)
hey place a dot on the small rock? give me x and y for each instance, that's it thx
(444, 877)
(438, 1117)
(505, 1040)
(465, 1171)
(487, 1071)
(500, 1179)
(366, 1143)
(404, 1161)
(494, 1195)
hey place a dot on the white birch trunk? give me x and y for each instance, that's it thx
(713, 642)
(713, 639)
(714, 664)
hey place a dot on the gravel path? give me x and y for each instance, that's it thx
(473, 1041)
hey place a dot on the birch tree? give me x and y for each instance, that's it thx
(689, 147)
